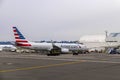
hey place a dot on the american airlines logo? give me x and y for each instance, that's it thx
(70, 46)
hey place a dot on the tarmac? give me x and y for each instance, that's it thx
(34, 66)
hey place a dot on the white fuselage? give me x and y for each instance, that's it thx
(49, 46)
(41, 46)
(71, 46)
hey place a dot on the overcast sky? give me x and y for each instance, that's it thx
(58, 19)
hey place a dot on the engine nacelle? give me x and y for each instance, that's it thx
(64, 50)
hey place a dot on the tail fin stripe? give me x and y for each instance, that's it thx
(14, 30)
(23, 44)
(20, 39)
(16, 34)
(17, 37)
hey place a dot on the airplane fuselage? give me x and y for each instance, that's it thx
(49, 46)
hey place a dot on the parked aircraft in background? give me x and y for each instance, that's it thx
(21, 41)
(7, 46)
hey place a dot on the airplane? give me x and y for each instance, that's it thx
(7, 46)
(21, 41)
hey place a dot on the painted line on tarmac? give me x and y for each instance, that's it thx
(39, 67)
(103, 61)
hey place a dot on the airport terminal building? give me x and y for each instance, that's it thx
(101, 41)
(93, 40)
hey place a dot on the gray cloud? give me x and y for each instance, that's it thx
(59, 19)
(1, 1)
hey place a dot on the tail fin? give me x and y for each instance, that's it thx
(19, 38)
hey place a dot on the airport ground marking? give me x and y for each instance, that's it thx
(39, 67)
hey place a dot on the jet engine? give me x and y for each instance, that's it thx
(64, 50)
